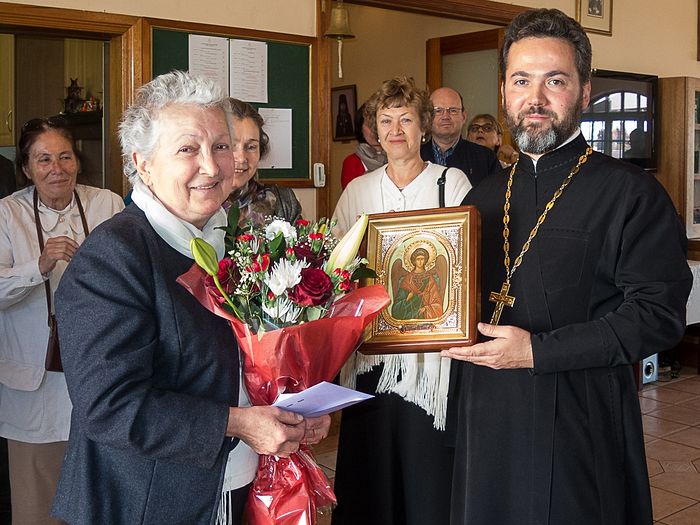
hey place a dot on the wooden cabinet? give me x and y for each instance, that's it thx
(679, 147)
(7, 90)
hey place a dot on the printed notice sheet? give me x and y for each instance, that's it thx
(321, 399)
(208, 56)
(248, 70)
(278, 126)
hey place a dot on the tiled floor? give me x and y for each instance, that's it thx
(671, 418)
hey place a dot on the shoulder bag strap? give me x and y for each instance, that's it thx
(40, 237)
(441, 187)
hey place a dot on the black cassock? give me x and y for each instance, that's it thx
(604, 284)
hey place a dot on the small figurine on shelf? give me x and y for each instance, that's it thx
(73, 102)
(90, 104)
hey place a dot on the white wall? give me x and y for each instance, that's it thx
(297, 17)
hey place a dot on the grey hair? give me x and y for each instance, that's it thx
(138, 129)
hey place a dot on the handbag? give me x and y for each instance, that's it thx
(53, 362)
(53, 351)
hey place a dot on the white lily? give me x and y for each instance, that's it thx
(346, 250)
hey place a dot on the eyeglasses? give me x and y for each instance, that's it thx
(486, 128)
(38, 123)
(451, 111)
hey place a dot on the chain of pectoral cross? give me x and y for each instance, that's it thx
(502, 298)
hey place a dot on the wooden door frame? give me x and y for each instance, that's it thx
(436, 48)
(125, 52)
(483, 11)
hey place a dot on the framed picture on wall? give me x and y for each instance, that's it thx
(595, 16)
(343, 107)
(428, 262)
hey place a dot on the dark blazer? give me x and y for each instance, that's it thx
(475, 160)
(151, 375)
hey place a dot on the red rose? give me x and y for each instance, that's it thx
(302, 222)
(303, 252)
(315, 288)
(228, 276)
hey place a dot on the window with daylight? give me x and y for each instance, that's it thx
(619, 120)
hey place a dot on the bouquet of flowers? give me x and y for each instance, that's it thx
(288, 293)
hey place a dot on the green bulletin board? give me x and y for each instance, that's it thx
(288, 86)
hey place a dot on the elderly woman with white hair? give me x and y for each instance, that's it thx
(159, 419)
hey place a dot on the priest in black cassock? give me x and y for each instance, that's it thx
(584, 261)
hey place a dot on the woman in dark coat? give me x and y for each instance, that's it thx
(159, 413)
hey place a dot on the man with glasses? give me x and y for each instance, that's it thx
(447, 146)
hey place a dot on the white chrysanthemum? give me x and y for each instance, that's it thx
(277, 226)
(284, 275)
(282, 310)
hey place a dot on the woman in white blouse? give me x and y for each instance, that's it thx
(391, 448)
(35, 408)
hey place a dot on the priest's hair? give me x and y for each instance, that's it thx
(549, 23)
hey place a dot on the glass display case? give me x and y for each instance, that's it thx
(679, 147)
(694, 190)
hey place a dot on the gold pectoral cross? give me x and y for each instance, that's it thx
(501, 298)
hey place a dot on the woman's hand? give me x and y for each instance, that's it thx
(316, 429)
(56, 249)
(268, 430)
(507, 154)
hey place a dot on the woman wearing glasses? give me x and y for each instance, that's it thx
(485, 130)
(41, 227)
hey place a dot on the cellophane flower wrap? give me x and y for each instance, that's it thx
(288, 293)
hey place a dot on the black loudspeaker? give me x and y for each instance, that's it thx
(650, 369)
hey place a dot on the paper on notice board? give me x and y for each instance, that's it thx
(248, 70)
(278, 126)
(208, 56)
(320, 399)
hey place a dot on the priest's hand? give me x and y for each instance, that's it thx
(510, 348)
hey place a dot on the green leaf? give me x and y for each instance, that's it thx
(276, 245)
(363, 273)
(231, 229)
(314, 312)
(234, 214)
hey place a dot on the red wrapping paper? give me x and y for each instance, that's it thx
(287, 491)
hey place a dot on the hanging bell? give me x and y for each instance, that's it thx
(339, 26)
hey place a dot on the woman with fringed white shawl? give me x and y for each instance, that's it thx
(393, 466)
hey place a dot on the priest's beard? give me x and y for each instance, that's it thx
(541, 138)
